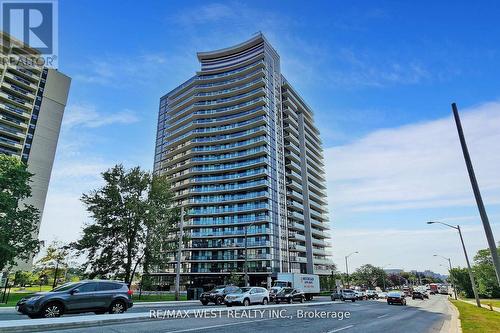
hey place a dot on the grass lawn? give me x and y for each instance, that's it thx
(494, 301)
(476, 319)
(13, 298)
(156, 298)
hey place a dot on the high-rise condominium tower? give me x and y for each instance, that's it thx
(245, 161)
(32, 102)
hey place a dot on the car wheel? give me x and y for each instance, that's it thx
(264, 301)
(52, 310)
(117, 307)
(277, 302)
(302, 300)
(219, 300)
(204, 302)
(389, 303)
(342, 299)
(290, 301)
(246, 302)
(353, 300)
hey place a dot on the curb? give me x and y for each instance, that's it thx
(455, 323)
(45, 324)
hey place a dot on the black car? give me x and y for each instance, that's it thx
(396, 297)
(98, 296)
(417, 294)
(290, 295)
(217, 294)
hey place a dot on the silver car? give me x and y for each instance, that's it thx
(247, 296)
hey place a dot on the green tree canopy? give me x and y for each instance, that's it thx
(369, 276)
(484, 272)
(18, 221)
(132, 226)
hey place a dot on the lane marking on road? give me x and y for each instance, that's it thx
(382, 316)
(220, 325)
(340, 329)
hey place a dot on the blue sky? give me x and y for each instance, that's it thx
(379, 76)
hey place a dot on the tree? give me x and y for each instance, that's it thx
(56, 261)
(133, 222)
(461, 280)
(484, 272)
(18, 221)
(369, 276)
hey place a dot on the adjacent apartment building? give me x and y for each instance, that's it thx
(32, 102)
(244, 157)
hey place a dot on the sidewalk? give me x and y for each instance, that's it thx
(136, 304)
(45, 324)
(483, 305)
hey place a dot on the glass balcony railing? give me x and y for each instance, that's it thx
(229, 145)
(222, 220)
(229, 155)
(227, 197)
(228, 166)
(237, 232)
(246, 173)
(229, 136)
(227, 243)
(227, 209)
(228, 187)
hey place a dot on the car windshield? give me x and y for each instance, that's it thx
(243, 290)
(65, 286)
(394, 294)
(348, 291)
(286, 291)
(275, 290)
(218, 288)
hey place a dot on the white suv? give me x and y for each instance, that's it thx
(247, 295)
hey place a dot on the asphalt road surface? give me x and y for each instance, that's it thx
(361, 316)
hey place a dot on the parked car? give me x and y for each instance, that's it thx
(360, 295)
(273, 292)
(98, 296)
(217, 294)
(382, 295)
(344, 295)
(247, 295)
(396, 297)
(371, 294)
(417, 294)
(426, 295)
(290, 295)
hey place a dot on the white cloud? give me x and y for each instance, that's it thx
(416, 166)
(88, 116)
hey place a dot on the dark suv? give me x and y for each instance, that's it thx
(217, 294)
(98, 296)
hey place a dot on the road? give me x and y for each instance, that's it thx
(364, 316)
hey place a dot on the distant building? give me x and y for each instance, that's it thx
(32, 102)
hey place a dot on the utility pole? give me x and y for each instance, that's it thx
(477, 195)
(179, 256)
(471, 275)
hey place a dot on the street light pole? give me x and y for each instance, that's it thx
(347, 268)
(452, 284)
(477, 194)
(179, 257)
(471, 275)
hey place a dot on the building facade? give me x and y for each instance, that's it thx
(244, 159)
(32, 102)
